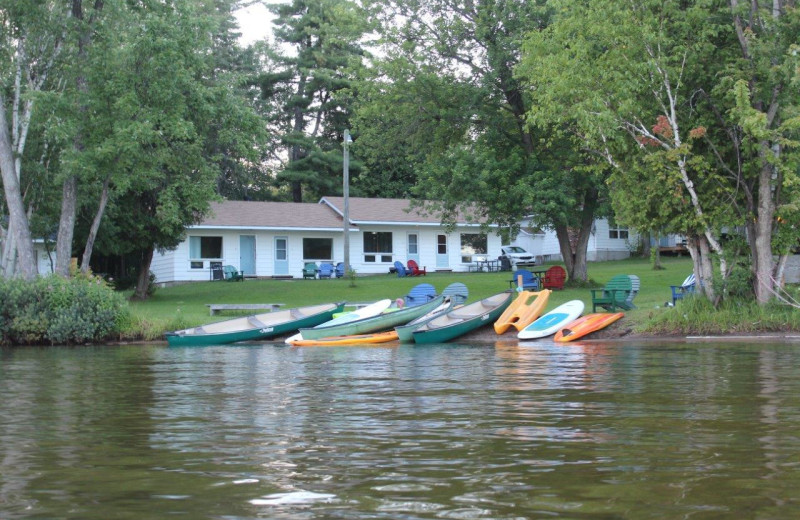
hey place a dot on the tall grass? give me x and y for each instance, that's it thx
(697, 316)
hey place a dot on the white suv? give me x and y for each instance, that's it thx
(518, 257)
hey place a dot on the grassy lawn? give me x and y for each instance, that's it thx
(185, 305)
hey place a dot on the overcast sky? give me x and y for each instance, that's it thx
(255, 22)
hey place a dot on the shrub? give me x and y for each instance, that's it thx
(53, 309)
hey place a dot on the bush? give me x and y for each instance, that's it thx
(56, 310)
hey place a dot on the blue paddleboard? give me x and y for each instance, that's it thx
(554, 320)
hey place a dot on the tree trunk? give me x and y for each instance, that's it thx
(143, 281)
(18, 220)
(87, 251)
(564, 245)
(574, 259)
(66, 225)
(646, 247)
(763, 262)
(700, 251)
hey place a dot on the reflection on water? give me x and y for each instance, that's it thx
(450, 431)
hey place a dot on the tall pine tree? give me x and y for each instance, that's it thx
(309, 78)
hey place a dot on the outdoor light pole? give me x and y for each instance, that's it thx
(346, 193)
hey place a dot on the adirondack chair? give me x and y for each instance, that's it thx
(684, 289)
(457, 292)
(232, 275)
(325, 270)
(310, 270)
(614, 295)
(554, 278)
(415, 270)
(420, 294)
(529, 282)
(400, 269)
(635, 284)
(505, 263)
(339, 270)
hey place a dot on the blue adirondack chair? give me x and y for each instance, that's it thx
(457, 292)
(529, 282)
(401, 270)
(340, 270)
(686, 288)
(325, 270)
(420, 294)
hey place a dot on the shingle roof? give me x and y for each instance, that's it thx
(284, 215)
(363, 210)
(325, 215)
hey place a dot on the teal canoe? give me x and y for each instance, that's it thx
(381, 322)
(405, 333)
(464, 319)
(256, 327)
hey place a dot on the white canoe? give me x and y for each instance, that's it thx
(369, 311)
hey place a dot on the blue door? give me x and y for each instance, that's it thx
(281, 267)
(247, 254)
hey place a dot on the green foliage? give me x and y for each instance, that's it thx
(56, 310)
(308, 87)
(448, 96)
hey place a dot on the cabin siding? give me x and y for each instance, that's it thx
(175, 265)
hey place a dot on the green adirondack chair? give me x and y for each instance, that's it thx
(617, 294)
(232, 275)
(310, 270)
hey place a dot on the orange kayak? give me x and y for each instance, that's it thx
(523, 311)
(360, 339)
(587, 324)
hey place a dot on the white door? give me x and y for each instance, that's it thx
(281, 267)
(442, 257)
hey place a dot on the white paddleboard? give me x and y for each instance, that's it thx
(369, 311)
(554, 320)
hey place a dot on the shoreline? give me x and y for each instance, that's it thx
(616, 332)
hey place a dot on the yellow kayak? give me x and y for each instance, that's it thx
(359, 339)
(523, 311)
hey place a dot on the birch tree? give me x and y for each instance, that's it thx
(31, 39)
(660, 86)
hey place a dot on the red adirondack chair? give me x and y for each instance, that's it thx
(415, 269)
(554, 278)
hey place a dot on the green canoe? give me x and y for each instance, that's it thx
(384, 321)
(405, 333)
(464, 319)
(259, 326)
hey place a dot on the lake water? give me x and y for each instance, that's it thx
(500, 431)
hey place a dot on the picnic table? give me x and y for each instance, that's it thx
(485, 265)
(213, 308)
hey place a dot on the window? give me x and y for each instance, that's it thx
(413, 248)
(441, 244)
(378, 246)
(472, 245)
(204, 248)
(618, 232)
(317, 249)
